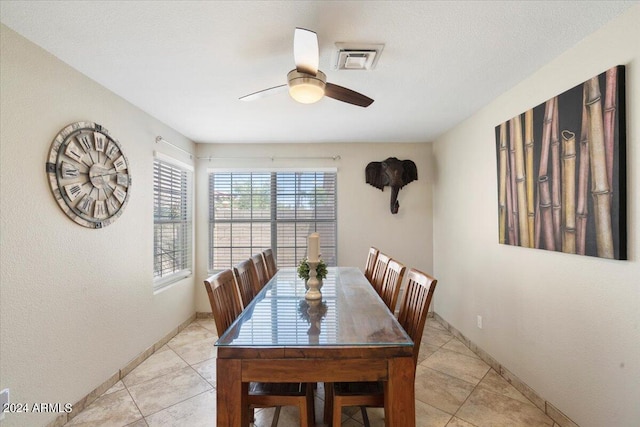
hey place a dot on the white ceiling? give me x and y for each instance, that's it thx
(187, 62)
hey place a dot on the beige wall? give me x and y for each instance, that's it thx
(75, 304)
(569, 326)
(364, 218)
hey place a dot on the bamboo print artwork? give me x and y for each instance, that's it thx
(528, 147)
(582, 212)
(546, 219)
(523, 223)
(555, 173)
(562, 171)
(569, 191)
(502, 197)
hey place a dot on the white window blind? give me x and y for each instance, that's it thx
(253, 211)
(172, 223)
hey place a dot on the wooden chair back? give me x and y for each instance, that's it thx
(415, 306)
(224, 299)
(379, 270)
(391, 283)
(261, 269)
(371, 263)
(270, 262)
(247, 280)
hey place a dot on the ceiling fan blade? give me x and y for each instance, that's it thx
(347, 95)
(305, 51)
(264, 93)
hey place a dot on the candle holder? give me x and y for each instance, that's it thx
(313, 293)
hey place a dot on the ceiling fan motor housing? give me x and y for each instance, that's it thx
(306, 88)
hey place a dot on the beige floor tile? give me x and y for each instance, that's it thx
(207, 370)
(160, 363)
(466, 368)
(426, 350)
(162, 392)
(376, 417)
(348, 412)
(426, 416)
(440, 390)
(198, 411)
(192, 333)
(496, 384)
(486, 408)
(139, 423)
(116, 387)
(457, 422)
(457, 346)
(197, 351)
(350, 422)
(115, 409)
(289, 416)
(433, 323)
(436, 337)
(208, 323)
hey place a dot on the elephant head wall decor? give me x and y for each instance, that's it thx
(394, 173)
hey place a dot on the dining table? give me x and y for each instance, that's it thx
(348, 334)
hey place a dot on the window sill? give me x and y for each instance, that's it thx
(162, 283)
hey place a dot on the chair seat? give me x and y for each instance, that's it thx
(358, 388)
(278, 389)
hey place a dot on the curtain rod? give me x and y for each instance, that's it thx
(272, 158)
(160, 139)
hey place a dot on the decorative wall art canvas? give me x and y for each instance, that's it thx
(562, 171)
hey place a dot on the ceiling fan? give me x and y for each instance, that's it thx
(307, 84)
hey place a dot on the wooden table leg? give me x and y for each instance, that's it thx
(231, 401)
(399, 393)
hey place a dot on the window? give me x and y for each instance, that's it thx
(252, 211)
(172, 223)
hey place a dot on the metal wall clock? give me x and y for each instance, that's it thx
(89, 174)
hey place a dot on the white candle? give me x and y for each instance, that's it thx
(314, 247)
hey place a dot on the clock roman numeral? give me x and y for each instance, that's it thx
(85, 142)
(112, 150)
(69, 171)
(112, 205)
(100, 209)
(101, 141)
(85, 204)
(120, 194)
(120, 163)
(73, 152)
(73, 191)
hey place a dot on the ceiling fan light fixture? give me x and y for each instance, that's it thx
(306, 88)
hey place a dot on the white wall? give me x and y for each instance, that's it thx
(76, 304)
(364, 218)
(567, 325)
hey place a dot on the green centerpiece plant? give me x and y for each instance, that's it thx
(303, 269)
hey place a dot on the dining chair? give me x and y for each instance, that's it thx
(371, 263)
(391, 283)
(379, 270)
(247, 280)
(412, 317)
(224, 299)
(261, 270)
(226, 307)
(270, 262)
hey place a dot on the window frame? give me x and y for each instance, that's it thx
(164, 280)
(273, 216)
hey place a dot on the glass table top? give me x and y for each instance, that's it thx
(350, 313)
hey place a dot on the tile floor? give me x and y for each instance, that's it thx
(176, 387)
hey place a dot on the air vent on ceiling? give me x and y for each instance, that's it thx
(356, 56)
